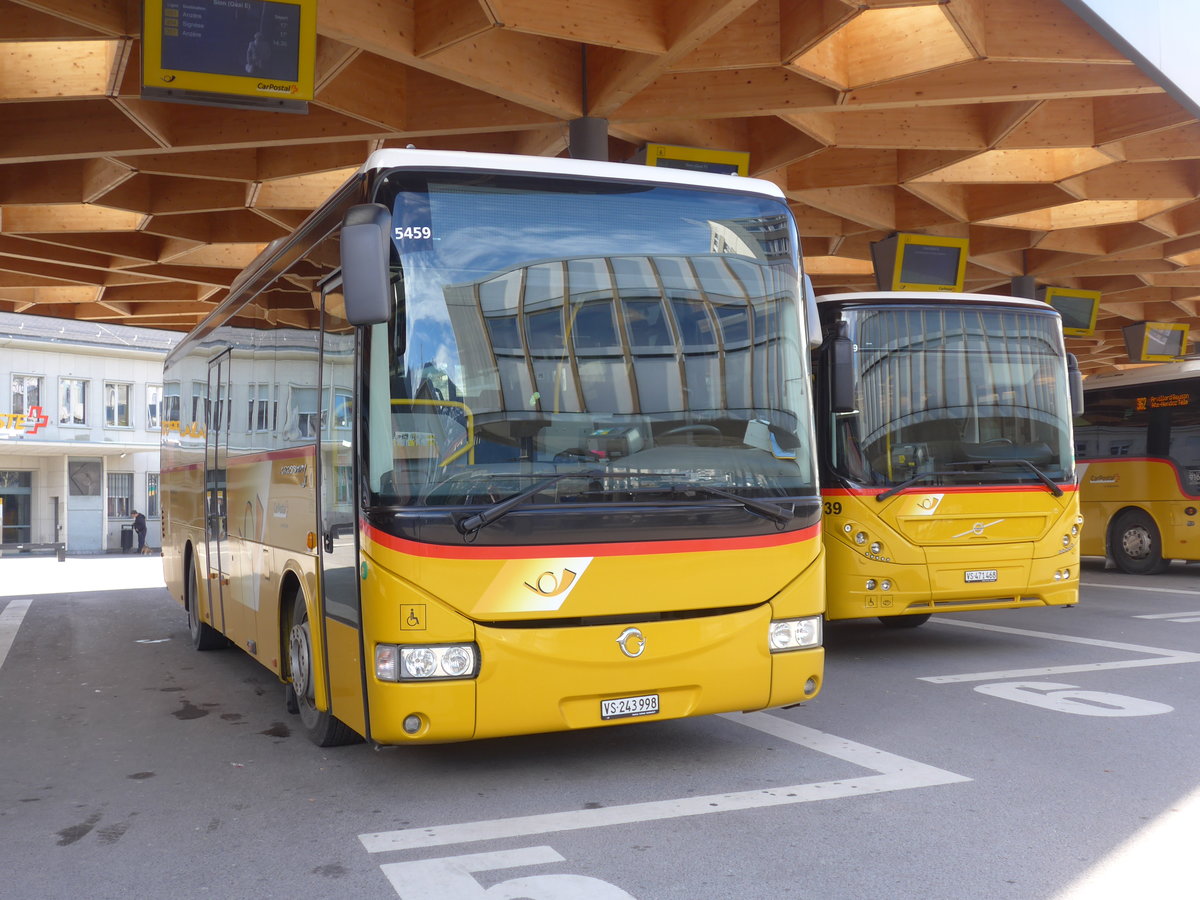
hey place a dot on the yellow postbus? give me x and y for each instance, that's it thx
(1138, 445)
(944, 423)
(495, 445)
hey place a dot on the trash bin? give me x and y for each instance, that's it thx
(126, 538)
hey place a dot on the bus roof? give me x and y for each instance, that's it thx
(1188, 368)
(549, 165)
(929, 296)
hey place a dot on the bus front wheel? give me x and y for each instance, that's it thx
(1136, 545)
(323, 728)
(203, 635)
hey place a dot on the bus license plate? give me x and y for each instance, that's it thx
(978, 575)
(627, 707)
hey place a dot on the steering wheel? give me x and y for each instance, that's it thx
(574, 453)
(999, 440)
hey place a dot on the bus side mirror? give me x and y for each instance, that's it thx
(365, 251)
(1075, 381)
(840, 360)
(812, 320)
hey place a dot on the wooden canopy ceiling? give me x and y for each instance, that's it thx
(1010, 122)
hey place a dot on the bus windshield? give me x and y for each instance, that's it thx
(955, 395)
(646, 337)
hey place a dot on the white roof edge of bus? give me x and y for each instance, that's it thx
(553, 165)
(932, 295)
(1146, 374)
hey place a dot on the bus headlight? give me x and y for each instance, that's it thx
(425, 663)
(794, 634)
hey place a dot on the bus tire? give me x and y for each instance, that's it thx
(914, 621)
(1135, 544)
(323, 728)
(203, 635)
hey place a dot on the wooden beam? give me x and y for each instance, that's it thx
(639, 25)
(438, 24)
(44, 131)
(59, 70)
(739, 92)
(751, 40)
(115, 17)
(987, 81)
(1037, 30)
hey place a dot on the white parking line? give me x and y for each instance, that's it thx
(1138, 588)
(1192, 616)
(1158, 656)
(891, 773)
(10, 621)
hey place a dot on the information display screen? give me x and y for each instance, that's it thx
(928, 264)
(232, 37)
(241, 53)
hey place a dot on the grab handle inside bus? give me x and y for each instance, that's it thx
(365, 252)
(1075, 380)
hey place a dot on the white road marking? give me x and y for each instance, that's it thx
(1192, 616)
(1158, 656)
(10, 621)
(892, 773)
(1139, 589)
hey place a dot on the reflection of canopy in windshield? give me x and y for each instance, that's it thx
(950, 385)
(624, 335)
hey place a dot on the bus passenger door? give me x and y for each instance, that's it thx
(216, 501)
(336, 510)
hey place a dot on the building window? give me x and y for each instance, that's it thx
(154, 406)
(26, 393)
(200, 403)
(116, 404)
(343, 409)
(120, 495)
(171, 405)
(260, 415)
(72, 401)
(304, 415)
(152, 495)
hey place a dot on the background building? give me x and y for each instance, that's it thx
(79, 430)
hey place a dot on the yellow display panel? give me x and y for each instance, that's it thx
(1148, 342)
(697, 159)
(1078, 309)
(257, 53)
(920, 262)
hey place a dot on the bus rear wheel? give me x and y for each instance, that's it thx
(203, 635)
(323, 728)
(904, 621)
(1136, 545)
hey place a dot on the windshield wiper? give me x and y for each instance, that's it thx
(920, 476)
(473, 523)
(955, 468)
(502, 507)
(770, 510)
(1042, 476)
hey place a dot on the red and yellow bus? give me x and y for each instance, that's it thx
(944, 423)
(1138, 444)
(494, 445)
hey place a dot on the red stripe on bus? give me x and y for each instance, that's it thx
(625, 548)
(925, 489)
